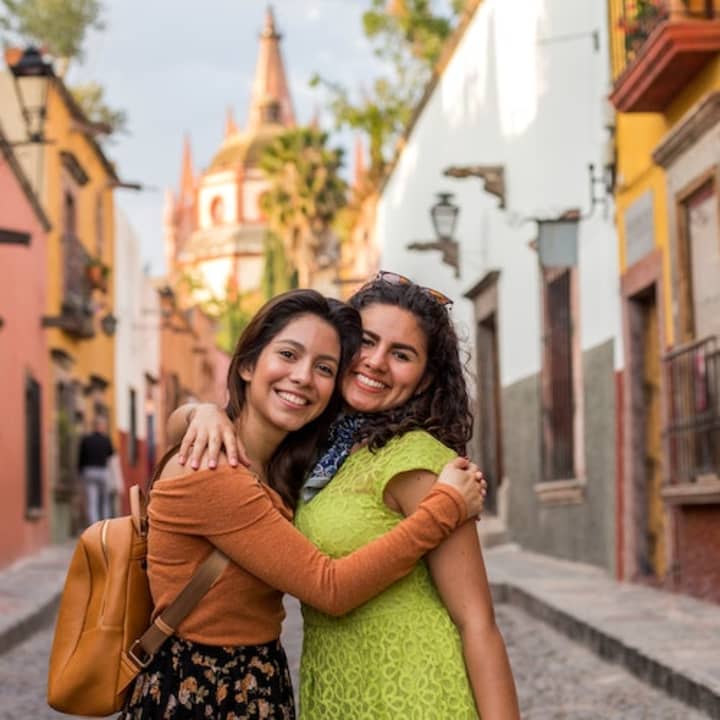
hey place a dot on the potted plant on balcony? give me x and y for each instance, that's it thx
(640, 18)
(97, 273)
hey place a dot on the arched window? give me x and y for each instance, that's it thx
(217, 210)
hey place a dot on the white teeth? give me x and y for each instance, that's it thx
(292, 398)
(369, 382)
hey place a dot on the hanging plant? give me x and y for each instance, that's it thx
(640, 19)
(97, 274)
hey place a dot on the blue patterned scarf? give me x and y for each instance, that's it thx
(341, 438)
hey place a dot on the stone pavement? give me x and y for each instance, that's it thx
(670, 641)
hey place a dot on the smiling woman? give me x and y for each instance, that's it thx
(225, 659)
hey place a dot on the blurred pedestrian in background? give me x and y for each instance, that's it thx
(94, 455)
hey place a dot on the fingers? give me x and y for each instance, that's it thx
(186, 445)
(213, 450)
(233, 449)
(201, 442)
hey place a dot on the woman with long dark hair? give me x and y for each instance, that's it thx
(225, 659)
(428, 647)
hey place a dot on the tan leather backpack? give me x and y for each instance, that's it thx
(103, 634)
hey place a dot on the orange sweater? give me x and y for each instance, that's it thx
(230, 509)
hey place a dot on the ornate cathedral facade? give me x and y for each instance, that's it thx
(214, 227)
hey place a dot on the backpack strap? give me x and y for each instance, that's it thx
(145, 647)
(141, 652)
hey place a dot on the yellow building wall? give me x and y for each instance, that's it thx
(94, 356)
(637, 136)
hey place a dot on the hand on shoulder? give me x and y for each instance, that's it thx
(174, 468)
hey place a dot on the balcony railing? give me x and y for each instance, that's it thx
(693, 430)
(658, 46)
(76, 316)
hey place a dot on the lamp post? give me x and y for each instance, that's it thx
(444, 214)
(31, 78)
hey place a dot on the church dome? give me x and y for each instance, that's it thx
(245, 149)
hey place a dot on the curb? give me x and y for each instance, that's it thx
(648, 669)
(28, 625)
(30, 592)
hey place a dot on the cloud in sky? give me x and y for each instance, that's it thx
(176, 65)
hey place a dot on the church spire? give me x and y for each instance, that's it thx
(187, 176)
(230, 125)
(271, 101)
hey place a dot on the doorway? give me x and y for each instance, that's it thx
(646, 453)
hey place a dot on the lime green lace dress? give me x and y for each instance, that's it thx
(399, 655)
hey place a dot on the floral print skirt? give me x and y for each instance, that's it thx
(188, 680)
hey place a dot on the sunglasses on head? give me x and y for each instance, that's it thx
(397, 279)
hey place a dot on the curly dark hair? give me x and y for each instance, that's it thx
(443, 408)
(293, 457)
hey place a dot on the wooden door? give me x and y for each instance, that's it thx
(488, 412)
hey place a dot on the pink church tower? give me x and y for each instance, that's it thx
(214, 228)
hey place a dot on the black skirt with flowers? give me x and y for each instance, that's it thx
(188, 680)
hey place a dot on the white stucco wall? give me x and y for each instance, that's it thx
(524, 89)
(137, 349)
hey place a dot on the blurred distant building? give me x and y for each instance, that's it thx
(359, 252)
(26, 393)
(214, 228)
(666, 89)
(137, 359)
(192, 368)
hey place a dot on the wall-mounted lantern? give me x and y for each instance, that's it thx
(444, 214)
(31, 78)
(557, 241)
(108, 323)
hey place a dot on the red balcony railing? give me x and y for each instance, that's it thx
(693, 430)
(658, 46)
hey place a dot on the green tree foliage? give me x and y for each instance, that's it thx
(304, 195)
(278, 273)
(233, 310)
(408, 36)
(60, 26)
(91, 98)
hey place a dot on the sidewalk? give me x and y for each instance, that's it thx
(30, 591)
(669, 641)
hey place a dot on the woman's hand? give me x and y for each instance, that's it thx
(210, 428)
(467, 479)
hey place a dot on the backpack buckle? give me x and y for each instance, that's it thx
(139, 655)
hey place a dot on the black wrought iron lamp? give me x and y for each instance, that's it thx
(31, 77)
(444, 214)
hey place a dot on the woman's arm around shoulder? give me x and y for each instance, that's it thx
(458, 570)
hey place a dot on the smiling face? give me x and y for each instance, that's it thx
(391, 366)
(294, 376)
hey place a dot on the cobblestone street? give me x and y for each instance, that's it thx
(557, 679)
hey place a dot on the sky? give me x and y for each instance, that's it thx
(176, 66)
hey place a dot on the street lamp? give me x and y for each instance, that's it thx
(31, 78)
(444, 214)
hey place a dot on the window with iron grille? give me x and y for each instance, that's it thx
(33, 446)
(557, 380)
(692, 375)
